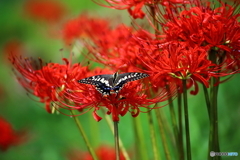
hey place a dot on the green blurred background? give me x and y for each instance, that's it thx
(52, 137)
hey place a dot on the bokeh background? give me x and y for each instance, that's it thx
(55, 136)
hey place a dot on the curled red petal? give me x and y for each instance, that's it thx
(96, 116)
(136, 112)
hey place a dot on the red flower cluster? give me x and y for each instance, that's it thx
(177, 61)
(114, 47)
(134, 7)
(117, 48)
(203, 26)
(9, 137)
(103, 153)
(57, 83)
(44, 81)
(215, 29)
(197, 42)
(92, 27)
(49, 11)
(190, 47)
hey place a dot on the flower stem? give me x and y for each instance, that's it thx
(213, 137)
(188, 145)
(142, 155)
(180, 133)
(207, 99)
(174, 121)
(153, 137)
(116, 138)
(109, 122)
(80, 128)
(162, 134)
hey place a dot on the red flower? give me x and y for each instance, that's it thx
(9, 137)
(181, 62)
(50, 11)
(118, 48)
(114, 47)
(92, 27)
(134, 7)
(199, 25)
(103, 153)
(46, 81)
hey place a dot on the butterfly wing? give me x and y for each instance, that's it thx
(102, 83)
(124, 78)
(131, 76)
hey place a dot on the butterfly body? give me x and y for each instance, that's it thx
(108, 84)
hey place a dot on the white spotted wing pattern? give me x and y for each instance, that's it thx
(108, 84)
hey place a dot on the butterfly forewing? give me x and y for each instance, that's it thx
(131, 76)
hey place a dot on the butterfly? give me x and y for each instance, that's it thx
(108, 84)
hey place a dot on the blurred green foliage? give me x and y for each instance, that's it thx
(53, 136)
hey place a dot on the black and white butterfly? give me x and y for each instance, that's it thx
(108, 84)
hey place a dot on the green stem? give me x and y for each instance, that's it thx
(109, 122)
(174, 121)
(94, 126)
(188, 145)
(213, 135)
(141, 146)
(162, 134)
(116, 138)
(180, 133)
(80, 128)
(153, 137)
(207, 99)
(214, 139)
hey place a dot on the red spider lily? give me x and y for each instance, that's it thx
(44, 81)
(196, 24)
(216, 24)
(92, 27)
(117, 48)
(114, 49)
(134, 7)
(103, 152)
(112, 46)
(9, 137)
(181, 62)
(131, 98)
(49, 11)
